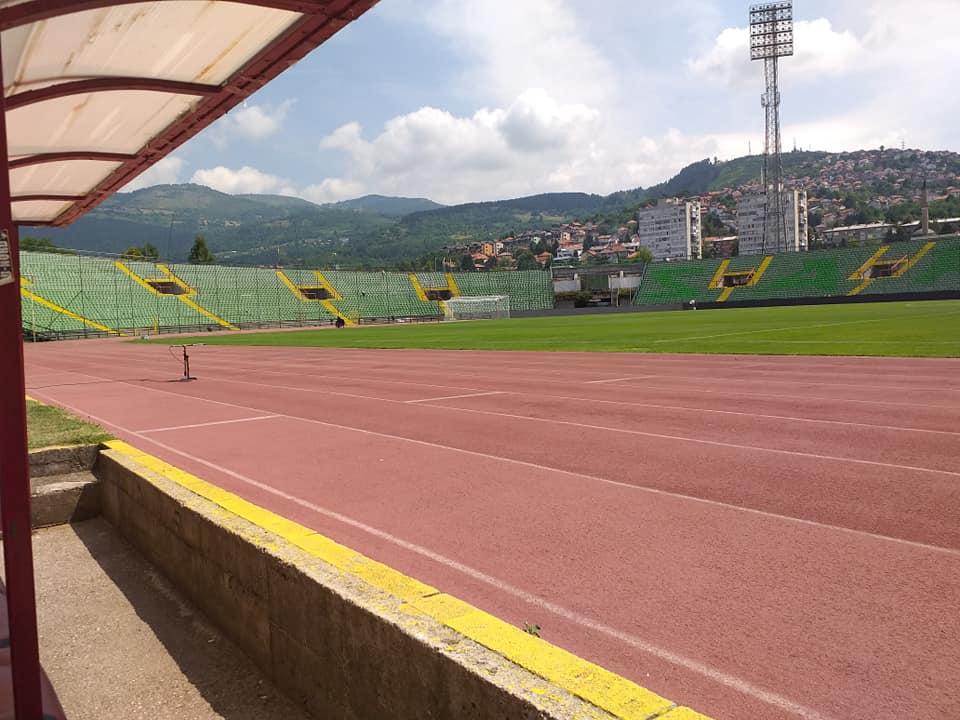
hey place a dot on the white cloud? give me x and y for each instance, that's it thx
(820, 51)
(536, 144)
(164, 172)
(250, 122)
(516, 45)
(333, 190)
(245, 180)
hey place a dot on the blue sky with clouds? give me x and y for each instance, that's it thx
(463, 100)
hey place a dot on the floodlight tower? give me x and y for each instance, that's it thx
(771, 38)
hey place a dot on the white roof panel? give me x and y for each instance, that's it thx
(36, 212)
(121, 121)
(135, 78)
(61, 178)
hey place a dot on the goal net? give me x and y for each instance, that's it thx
(480, 307)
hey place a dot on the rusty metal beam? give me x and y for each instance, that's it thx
(51, 157)
(107, 84)
(36, 10)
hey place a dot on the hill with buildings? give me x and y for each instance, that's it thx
(378, 231)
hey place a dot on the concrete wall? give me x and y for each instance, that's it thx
(344, 636)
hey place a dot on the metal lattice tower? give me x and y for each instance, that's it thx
(771, 38)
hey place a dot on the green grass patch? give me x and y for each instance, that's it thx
(911, 329)
(50, 426)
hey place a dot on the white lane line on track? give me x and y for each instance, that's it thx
(568, 473)
(731, 681)
(820, 383)
(655, 405)
(606, 428)
(676, 378)
(715, 443)
(540, 395)
(614, 380)
(790, 418)
(680, 378)
(449, 397)
(208, 424)
(603, 428)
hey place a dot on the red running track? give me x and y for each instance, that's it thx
(756, 537)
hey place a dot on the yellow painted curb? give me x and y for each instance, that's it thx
(605, 690)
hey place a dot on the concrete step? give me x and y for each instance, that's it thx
(59, 499)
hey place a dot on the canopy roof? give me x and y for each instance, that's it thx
(97, 92)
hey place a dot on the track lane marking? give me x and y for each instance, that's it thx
(728, 680)
(604, 428)
(615, 380)
(448, 397)
(568, 473)
(208, 424)
(623, 402)
(702, 441)
(678, 379)
(790, 418)
(235, 368)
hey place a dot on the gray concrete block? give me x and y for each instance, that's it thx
(60, 499)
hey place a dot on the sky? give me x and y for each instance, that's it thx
(471, 100)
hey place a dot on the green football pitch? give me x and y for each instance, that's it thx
(915, 329)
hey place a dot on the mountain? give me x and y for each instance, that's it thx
(378, 231)
(388, 206)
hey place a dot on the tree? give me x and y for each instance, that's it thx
(39, 244)
(526, 261)
(150, 252)
(132, 253)
(642, 255)
(200, 254)
(466, 263)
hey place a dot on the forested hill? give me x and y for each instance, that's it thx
(380, 231)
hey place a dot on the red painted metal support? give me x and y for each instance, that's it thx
(66, 156)
(15, 473)
(107, 84)
(46, 196)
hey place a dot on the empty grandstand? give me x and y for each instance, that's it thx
(72, 295)
(915, 267)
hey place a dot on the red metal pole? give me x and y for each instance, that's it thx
(14, 470)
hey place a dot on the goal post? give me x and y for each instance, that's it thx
(478, 307)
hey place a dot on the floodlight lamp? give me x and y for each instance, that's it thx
(771, 30)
